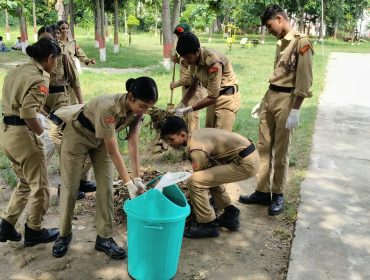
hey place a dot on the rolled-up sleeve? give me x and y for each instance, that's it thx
(304, 76)
(34, 99)
(214, 80)
(105, 125)
(199, 160)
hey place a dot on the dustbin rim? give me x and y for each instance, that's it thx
(137, 216)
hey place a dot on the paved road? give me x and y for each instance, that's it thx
(332, 237)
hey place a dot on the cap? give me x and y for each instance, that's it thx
(181, 28)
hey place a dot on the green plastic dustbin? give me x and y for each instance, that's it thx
(155, 226)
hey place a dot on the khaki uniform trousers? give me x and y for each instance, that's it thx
(26, 152)
(54, 101)
(222, 114)
(192, 119)
(56, 133)
(72, 99)
(78, 142)
(274, 142)
(212, 179)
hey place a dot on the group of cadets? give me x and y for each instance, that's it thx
(49, 82)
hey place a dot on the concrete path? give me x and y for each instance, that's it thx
(332, 237)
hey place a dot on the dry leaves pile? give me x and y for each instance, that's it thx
(158, 117)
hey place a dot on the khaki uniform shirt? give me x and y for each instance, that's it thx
(210, 146)
(185, 77)
(293, 64)
(214, 72)
(25, 89)
(75, 51)
(65, 72)
(109, 114)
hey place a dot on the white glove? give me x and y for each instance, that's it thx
(256, 110)
(43, 120)
(132, 189)
(183, 111)
(180, 106)
(49, 147)
(139, 183)
(293, 119)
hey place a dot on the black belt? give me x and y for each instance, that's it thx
(85, 122)
(247, 151)
(228, 90)
(13, 120)
(55, 119)
(281, 89)
(56, 89)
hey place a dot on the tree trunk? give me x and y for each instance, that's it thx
(156, 20)
(263, 34)
(23, 29)
(66, 12)
(335, 29)
(71, 18)
(219, 25)
(34, 20)
(125, 17)
(322, 21)
(106, 31)
(59, 7)
(7, 28)
(97, 24)
(116, 43)
(102, 50)
(167, 33)
(301, 22)
(175, 18)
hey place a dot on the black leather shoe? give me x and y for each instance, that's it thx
(80, 195)
(8, 232)
(203, 230)
(230, 218)
(34, 237)
(110, 247)
(256, 198)
(60, 246)
(87, 186)
(277, 204)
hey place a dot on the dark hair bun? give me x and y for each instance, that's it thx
(32, 50)
(129, 84)
(43, 48)
(143, 88)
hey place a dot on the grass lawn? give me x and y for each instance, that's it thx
(252, 66)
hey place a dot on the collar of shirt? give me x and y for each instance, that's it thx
(120, 108)
(38, 66)
(188, 143)
(287, 38)
(202, 57)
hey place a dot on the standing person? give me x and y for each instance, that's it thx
(290, 84)
(214, 72)
(218, 157)
(92, 132)
(63, 76)
(21, 137)
(191, 119)
(75, 52)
